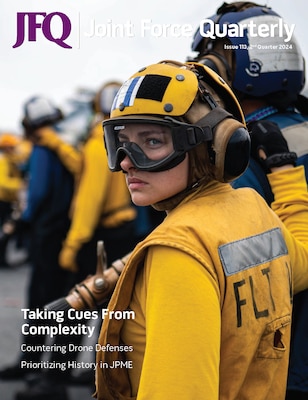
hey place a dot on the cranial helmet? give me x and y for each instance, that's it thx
(104, 97)
(254, 50)
(8, 140)
(39, 112)
(198, 107)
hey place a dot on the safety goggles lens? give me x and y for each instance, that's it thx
(149, 146)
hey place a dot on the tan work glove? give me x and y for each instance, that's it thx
(67, 258)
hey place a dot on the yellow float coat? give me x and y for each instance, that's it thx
(211, 291)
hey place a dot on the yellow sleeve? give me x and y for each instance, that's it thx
(70, 158)
(182, 353)
(9, 184)
(89, 198)
(291, 205)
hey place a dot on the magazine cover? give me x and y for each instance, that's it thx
(68, 224)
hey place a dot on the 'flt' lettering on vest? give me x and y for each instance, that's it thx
(253, 300)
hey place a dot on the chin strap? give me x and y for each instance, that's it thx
(172, 202)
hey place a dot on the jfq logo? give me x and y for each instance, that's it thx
(45, 26)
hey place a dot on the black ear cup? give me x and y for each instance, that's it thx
(231, 148)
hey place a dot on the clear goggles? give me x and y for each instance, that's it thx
(151, 144)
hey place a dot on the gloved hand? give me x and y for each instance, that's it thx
(267, 136)
(67, 258)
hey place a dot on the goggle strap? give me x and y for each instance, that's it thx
(212, 119)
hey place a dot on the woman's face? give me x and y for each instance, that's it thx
(146, 187)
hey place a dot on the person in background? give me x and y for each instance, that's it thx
(49, 195)
(11, 185)
(209, 291)
(268, 84)
(101, 209)
(46, 220)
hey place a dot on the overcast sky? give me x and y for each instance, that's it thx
(45, 68)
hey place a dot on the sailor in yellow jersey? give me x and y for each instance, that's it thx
(209, 291)
(11, 185)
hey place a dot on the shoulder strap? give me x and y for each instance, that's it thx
(259, 173)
